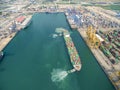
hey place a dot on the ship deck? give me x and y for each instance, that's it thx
(74, 57)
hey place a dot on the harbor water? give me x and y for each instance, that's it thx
(37, 59)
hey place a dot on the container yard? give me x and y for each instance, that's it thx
(102, 38)
(99, 28)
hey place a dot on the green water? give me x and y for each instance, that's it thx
(33, 54)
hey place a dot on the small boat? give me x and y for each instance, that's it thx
(1, 55)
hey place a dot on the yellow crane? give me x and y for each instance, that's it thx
(92, 39)
(118, 73)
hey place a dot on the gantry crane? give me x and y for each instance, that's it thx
(92, 39)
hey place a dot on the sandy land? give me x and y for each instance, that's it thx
(5, 41)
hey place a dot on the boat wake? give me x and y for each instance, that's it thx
(58, 75)
(59, 32)
(54, 35)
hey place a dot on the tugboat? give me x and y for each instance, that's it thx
(1, 55)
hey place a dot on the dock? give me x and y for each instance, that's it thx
(26, 22)
(5, 41)
(104, 63)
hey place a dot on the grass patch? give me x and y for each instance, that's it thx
(109, 7)
(112, 7)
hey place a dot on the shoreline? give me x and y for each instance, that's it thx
(103, 64)
(108, 69)
(4, 42)
(101, 59)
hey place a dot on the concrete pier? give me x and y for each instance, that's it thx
(103, 62)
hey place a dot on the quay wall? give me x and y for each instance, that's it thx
(107, 68)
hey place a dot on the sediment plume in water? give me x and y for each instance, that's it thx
(58, 75)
